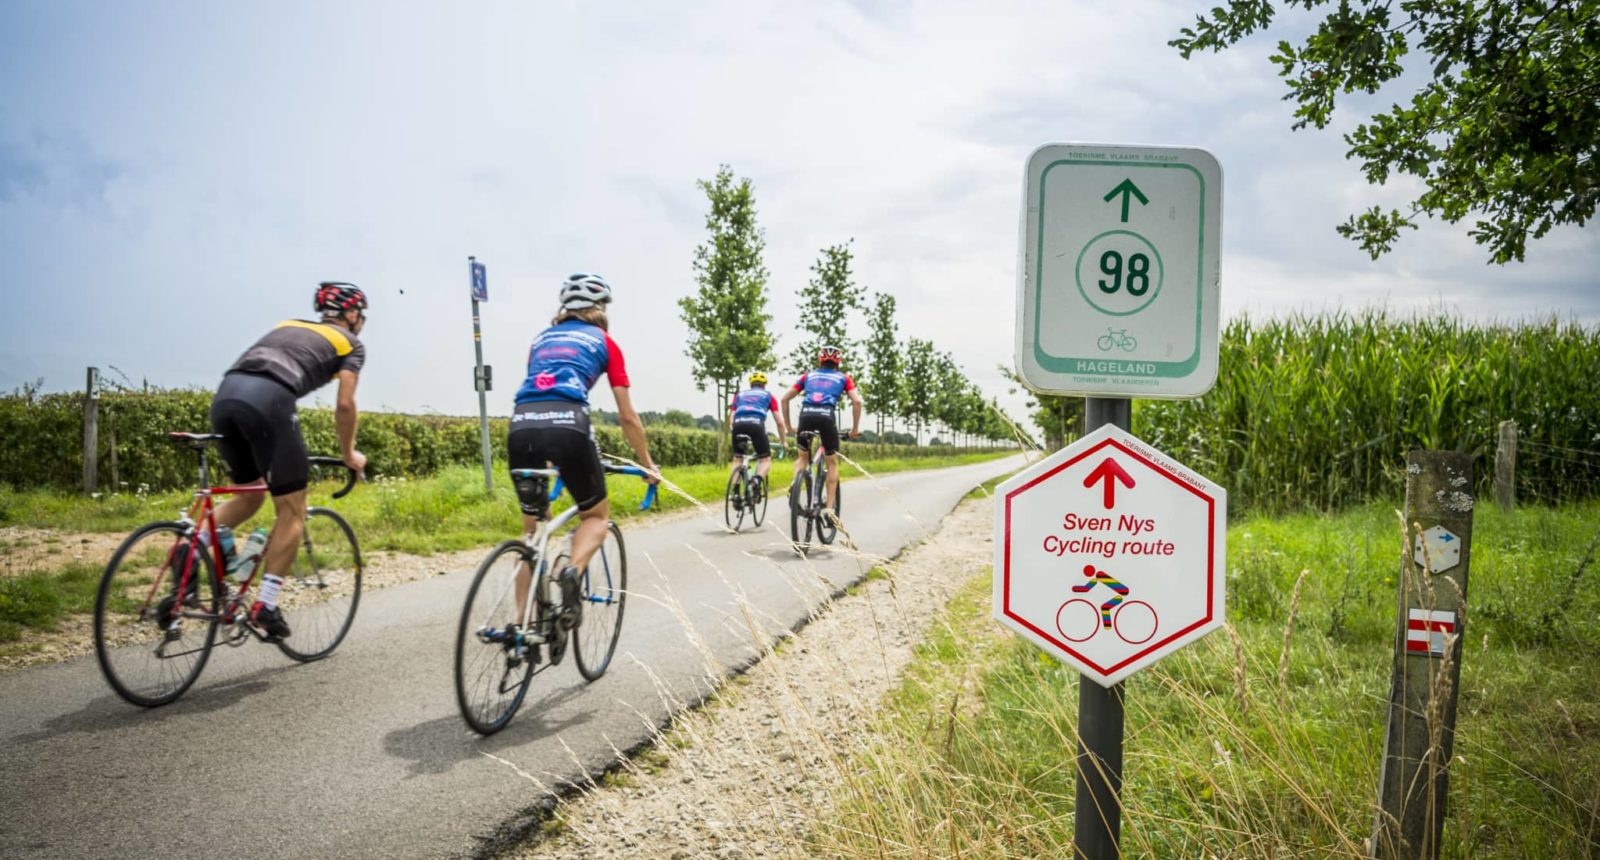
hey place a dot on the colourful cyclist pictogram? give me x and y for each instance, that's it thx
(1100, 577)
(1078, 621)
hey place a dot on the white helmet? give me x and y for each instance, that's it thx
(584, 290)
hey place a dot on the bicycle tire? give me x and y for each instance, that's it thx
(758, 502)
(123, 639)
(800, 512)
(321, 593)
(605, 593)
(827, 531)
(484, 665)
(732, 501)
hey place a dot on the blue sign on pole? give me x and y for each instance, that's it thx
(480, 282)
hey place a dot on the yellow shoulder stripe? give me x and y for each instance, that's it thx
(341, 344)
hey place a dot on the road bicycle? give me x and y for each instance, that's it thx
(805, 499)
(500, 645)
(1134, 621)
(1118, 338)
(746, 492)
(165, 592)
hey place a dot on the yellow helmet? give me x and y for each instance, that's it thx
(758, 378)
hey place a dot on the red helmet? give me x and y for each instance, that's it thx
(829, 352)
(337, 296)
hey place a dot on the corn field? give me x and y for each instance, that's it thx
(1319, 412)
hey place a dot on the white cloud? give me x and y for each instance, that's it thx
(261, 149)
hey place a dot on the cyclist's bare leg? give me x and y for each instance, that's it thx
(284, 541)
(590, 533)
(241, 506)
(833, 481)
(763, 466)
(801, 461)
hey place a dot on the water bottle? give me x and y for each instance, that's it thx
(225, 540)
(244, 563)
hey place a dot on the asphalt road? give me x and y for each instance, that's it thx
(364, 754)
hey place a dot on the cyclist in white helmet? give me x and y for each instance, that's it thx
(550, 426)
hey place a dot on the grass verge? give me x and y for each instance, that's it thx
(1262, 740)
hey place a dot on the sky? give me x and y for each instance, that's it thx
(175, 178)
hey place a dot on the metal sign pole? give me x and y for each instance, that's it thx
(1097, 817)
(473, 273)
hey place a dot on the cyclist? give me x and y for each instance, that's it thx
(550, 426)
(822, 387)
(749, 409)
(254, 411)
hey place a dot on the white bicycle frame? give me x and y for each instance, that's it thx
(539, 543)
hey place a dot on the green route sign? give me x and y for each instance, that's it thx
(1118, 284)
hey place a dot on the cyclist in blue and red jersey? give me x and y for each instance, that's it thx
(821, 389)
(550, 426)
(749, 409)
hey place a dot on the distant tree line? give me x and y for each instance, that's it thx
(905, 382)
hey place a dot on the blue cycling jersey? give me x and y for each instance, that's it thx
(567, 359)
(753, 404)
(823, 387)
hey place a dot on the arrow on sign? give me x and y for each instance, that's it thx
(1111, 473)
(1128, 191)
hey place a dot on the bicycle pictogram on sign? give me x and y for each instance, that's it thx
(1078, 619)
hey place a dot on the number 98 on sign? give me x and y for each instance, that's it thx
(1119, 272)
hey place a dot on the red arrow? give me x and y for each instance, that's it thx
(1110, 472)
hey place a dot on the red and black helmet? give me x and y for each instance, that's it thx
(829, 352)
(339, 296)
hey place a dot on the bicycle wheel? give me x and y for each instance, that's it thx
(800, 512)
(491, 672)
(733, 501)
(150, 647)
(320, 595)
(605, 593)
(827, 529)
(758, 501)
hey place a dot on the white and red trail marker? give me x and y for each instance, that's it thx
(1426, 631)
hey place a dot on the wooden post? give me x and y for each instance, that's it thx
(91, 429)
(1505, 467)
(1420, 735)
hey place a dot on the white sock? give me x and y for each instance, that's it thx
(270, 583)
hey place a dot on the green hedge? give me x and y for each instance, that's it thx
(41, 440)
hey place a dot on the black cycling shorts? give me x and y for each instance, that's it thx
(757, 431)
(556, 434)
(825, 426)
(260, 433)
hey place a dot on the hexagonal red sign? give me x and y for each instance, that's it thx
(1110, 555)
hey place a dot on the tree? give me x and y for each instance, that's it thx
(677, 418)
(920, 377)
(881, 374)
(825, 304)
(1508, 127)
(727, 317)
